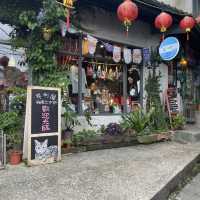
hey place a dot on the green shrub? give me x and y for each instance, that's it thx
(178, 122)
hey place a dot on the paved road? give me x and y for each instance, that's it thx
(134, 173)
(191, 191)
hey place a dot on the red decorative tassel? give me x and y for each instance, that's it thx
(68, 20)
(188, 36)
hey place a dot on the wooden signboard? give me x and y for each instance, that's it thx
(42, 140)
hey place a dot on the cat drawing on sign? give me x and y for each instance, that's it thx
(43, 152)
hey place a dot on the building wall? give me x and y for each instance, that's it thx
(185, 5)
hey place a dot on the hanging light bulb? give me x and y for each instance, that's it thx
(183, 62)
(12, 62)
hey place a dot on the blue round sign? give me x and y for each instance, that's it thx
(169, 48)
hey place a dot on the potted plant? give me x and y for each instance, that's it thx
(10, 123)
(84, 137)
(70, 121)
(140, 122)
(178, 122)
(112, 133)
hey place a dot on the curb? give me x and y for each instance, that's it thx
(171, 186)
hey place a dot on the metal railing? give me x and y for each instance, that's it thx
(2, 150)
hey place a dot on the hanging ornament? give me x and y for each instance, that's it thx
(47, 33)
(162, 22)
(69, 5)
(187, 24)
(127, 12)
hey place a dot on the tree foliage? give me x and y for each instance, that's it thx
(41, 54)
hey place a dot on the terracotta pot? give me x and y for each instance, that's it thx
(15, 157)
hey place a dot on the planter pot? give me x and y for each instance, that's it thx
(15, 157)
(164, 136)
(147, 139)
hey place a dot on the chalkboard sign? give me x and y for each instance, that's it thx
(44, 111)
(42, 135)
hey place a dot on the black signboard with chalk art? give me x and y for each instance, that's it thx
(44, 149)
(44, 113)
(42, 135)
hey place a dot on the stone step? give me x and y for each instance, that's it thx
(185, 136)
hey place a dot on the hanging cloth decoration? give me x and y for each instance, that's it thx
(137, 56)
(85, 48)
(108, 47)
(63, 28)
(92, 44)
(127, 56)
(116, 54)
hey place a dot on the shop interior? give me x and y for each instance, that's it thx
(109, 79)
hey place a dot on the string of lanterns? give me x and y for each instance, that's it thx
(128, 12)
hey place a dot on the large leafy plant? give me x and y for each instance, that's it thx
(138, 121)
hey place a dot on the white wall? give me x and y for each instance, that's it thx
(185, 5)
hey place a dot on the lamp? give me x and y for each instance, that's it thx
(183, 62)
(47, 33)
(12, 62)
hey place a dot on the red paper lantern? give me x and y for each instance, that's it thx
(127, 12)
(163, 21)
(198, 20)
(186, 24)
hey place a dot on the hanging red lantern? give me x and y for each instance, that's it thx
(187, 24)
(127, 12)
(198, 20)
(163, 21)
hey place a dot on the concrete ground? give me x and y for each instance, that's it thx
(133, 173)
(191, 191)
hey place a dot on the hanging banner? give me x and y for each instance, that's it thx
(116, 54)
(127, 56)
(92, 44)
(108, 47)
(169, 48)
(137, 56)
(42, 138)
(146, 55)
(63, 28)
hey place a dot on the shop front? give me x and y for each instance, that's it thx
(107, 69)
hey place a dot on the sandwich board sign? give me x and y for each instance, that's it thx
(42, 136)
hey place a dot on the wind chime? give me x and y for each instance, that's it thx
(127, 13)
(162, 22)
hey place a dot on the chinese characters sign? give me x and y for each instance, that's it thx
(44, 115)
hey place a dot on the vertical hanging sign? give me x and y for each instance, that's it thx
(42, 139)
